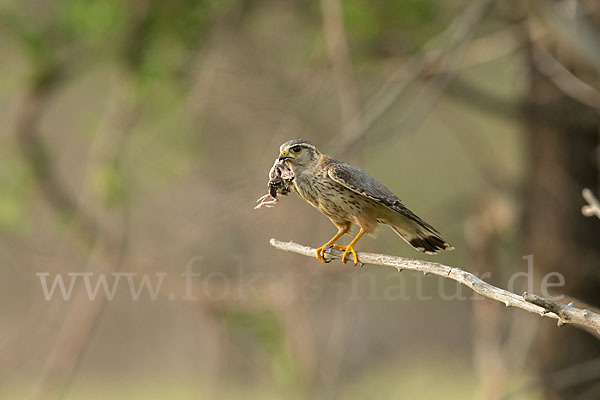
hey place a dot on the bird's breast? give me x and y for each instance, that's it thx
(308, 188)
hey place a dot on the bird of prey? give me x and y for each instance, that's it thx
(348, 196)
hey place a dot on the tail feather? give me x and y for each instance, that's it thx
(422, 239)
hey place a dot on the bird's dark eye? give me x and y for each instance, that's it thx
(296, 149)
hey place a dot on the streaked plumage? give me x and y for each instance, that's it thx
(348, 195)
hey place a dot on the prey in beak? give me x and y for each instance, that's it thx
(280, 180)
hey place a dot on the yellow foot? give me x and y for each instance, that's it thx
(347, 250)
(321, 253)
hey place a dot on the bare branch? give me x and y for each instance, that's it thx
(457, 37)
(575, 34)
(565, 314)
(438, 65)
(565, 80)
(81, 316)
(28, 115)
(341, 63)
(593, 207)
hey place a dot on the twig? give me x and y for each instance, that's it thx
(81, 316)
(576, 34)
(551, 306)
(460, 32)
(440, 66)
(565, 314)
(341, 63)
(28, 115)
(593, 207)
(565, 80)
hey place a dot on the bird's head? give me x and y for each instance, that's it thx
(299, 153)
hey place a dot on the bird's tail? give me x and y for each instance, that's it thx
(420, 235)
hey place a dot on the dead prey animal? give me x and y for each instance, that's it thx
(280, 181)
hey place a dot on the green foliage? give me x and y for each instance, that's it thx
(158, 69)
(278, 86)
(185, 20)
(406, 21)
(30, 37)
(167, 35)
(92, 19)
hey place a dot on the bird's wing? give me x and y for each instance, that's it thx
(365, 185)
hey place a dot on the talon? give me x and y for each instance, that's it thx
(321, 254)
(321, 250)
(346, 250)
(349, 249)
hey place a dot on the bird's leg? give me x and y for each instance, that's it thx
(321, 250)
(350, 248)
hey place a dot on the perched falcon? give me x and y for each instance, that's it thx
(348, 195)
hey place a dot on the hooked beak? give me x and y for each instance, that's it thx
(283, 158)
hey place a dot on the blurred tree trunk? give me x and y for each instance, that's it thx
(562, 136)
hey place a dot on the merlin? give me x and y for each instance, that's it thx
(348, 196)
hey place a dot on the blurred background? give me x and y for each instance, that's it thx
(136, 136)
